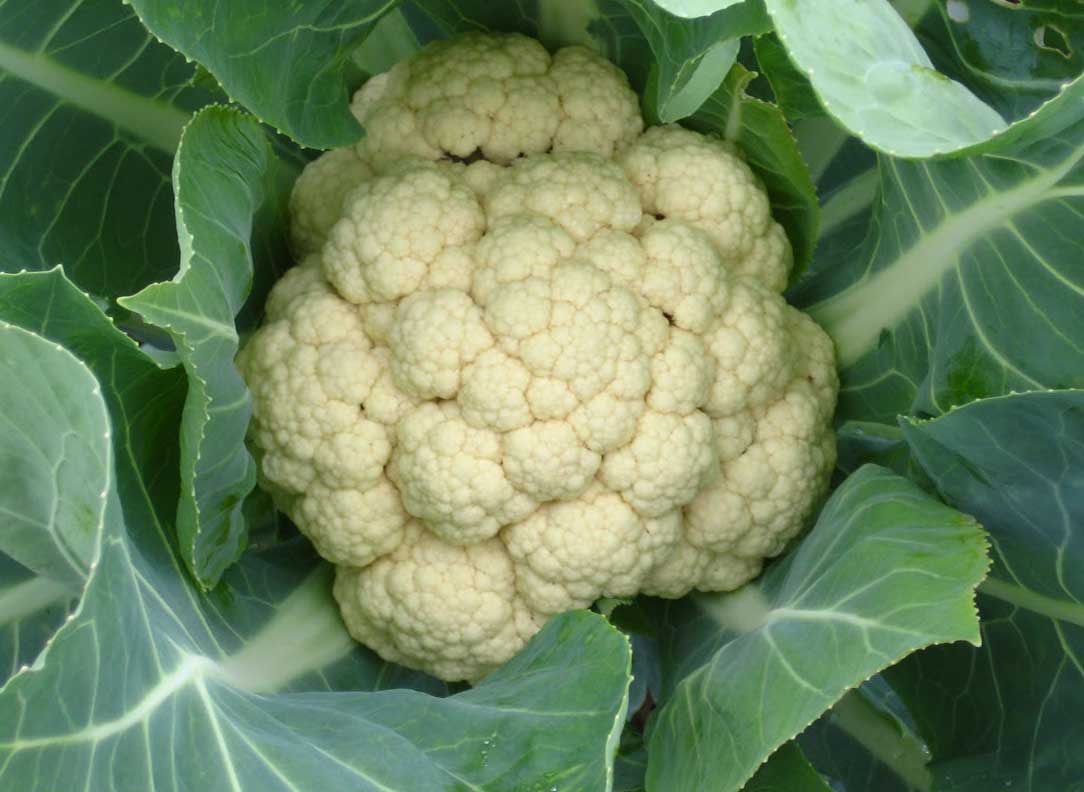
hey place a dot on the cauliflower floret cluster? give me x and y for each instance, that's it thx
(533, 355)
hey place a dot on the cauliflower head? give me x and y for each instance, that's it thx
(532, 355)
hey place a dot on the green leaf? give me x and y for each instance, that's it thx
(870, 72)
(1013, 57)
(787, 770)
(223, 174)
(791, 88)
(1009, 712)
(885, 571)
(630, 766)
(961, 255)
(148, 673)
(861, 442)
(50, 305)
(844, 172)
(145, 404)
(770, 148)
(692, 56)
(55, 492)
(55, 483)
(94, 108)
(285, 63)
(391, 41)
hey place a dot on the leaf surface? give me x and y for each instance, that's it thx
(960, 255)
(787, 770)
(93, 111)
(284, 63)
(871, 73)
(1008, 713)
(224, 173)
(885, 571)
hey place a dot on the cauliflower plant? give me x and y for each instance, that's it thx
(533, 355)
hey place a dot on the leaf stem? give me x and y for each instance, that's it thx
(154, 121)
(884, 737)
(1071, 612)
(30, 596)
(306, 634)
(848, 201)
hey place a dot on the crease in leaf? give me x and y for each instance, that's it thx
(227, 149)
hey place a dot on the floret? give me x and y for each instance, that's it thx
(532, 357)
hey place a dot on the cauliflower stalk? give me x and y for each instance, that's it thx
(533, 355)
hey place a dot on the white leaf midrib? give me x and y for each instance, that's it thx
(305, 634)
(157, 123)
(856, 316)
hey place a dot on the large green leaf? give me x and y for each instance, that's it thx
(1014, 57)
(93, 110)
(1008, 713)
(152, 684)
(885, 571)
(145, 403)
(961, 256)
(55, 483)
(224, 172)
(761, 131)
(50, 305)
(870, 72)
(285, 63)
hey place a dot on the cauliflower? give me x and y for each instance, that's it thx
(532, 356)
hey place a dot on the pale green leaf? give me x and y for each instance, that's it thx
(871, 73)
(692, 57)
(55, 485)
(885, 571)
(223, 174)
